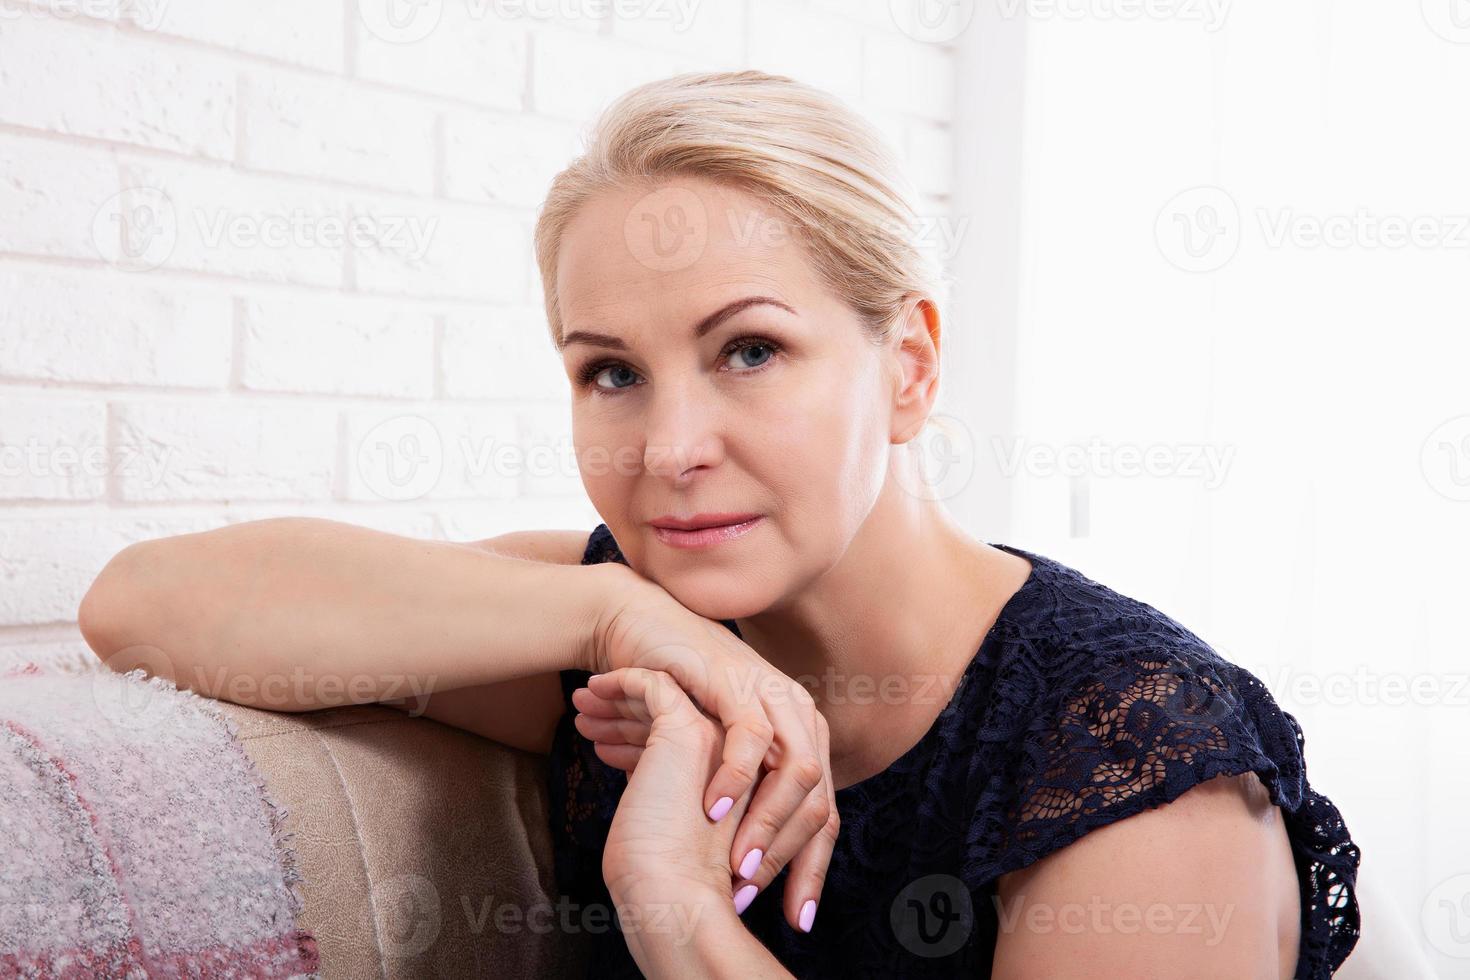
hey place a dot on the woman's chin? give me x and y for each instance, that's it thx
(714, 601)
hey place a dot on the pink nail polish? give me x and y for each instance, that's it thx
(744, 897)
(751, 862)
(808, 915)
(722, 806)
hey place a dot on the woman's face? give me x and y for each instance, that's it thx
(728, 380)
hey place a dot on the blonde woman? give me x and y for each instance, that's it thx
(918, 753)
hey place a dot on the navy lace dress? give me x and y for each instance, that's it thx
(1081, 707)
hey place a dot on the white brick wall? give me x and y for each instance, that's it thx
(258, 257)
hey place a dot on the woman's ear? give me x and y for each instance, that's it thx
(917, 359)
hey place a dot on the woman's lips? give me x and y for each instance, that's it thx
(705, 536)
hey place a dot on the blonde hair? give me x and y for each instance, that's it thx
(795, 148)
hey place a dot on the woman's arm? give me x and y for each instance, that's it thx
(664, 862)
(675, 932)
(295, 614)
(1204, 886)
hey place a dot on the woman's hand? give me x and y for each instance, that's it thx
(773, 734)
(664, 863)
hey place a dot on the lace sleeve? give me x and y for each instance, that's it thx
(1134, 729)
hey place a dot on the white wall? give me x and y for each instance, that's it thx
(1158, 307)
(167, 366)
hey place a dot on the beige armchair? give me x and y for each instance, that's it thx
(424, 850)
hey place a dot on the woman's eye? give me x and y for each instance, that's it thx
(740, 352)
(752, 346)
(615, 369)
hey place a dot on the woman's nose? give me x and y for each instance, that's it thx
(681, 437)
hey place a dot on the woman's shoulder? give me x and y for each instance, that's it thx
(1087, 678)
(1099, 706)
(1075, 636)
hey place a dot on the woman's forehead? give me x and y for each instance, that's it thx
(599, 279)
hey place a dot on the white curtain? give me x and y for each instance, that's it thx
(1218, 315)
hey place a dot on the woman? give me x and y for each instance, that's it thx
(1085, 788)
(934, 755)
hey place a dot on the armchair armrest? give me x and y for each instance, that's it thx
(424, 850)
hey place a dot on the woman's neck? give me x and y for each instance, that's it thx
(882, 637)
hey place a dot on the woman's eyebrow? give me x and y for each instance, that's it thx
(701, 328)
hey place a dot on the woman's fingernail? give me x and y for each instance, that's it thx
(808, 914)
(743, 898)
(722, 806)
(751, 862)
